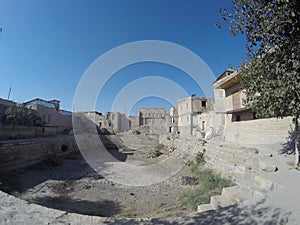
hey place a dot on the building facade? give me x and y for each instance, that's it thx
(173, 126)
(51, 114)
(230, 97)
(117, 121)
(155, 118)
(189, 109)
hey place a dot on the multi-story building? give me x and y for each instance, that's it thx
(173, 127)
(50, 113)
(155, 118)
(189, 110)
(229, 96)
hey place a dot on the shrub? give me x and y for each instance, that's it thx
(210, 184)
(159, 146)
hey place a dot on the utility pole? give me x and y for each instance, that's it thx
(9, 93)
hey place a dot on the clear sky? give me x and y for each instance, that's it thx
(47, 45)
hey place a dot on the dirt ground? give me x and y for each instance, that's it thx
(71, 185)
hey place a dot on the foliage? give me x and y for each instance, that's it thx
(270, 74)
(22, 116)
(159, 146)
(210, 184)
(195, 165)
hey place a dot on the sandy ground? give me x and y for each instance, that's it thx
(71, 185)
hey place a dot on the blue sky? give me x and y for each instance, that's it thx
(47, 45)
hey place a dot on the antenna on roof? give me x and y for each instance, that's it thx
(9, 93)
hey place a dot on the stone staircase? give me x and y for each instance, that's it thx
(242, 193)
(242, 165)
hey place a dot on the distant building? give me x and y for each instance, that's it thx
(155, 118)
(116, 120)
(96, 117)
(4, 104)
(188, 110)
(173, 126)
(50, 113)
(134, 121)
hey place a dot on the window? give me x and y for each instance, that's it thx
(187, 105)
(49, 118)
(203, 104)
(172, 120)
(237, 118)
(187, 118)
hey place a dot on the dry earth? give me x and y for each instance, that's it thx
(71, 185)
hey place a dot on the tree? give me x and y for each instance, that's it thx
(270, 74)
(21, 116)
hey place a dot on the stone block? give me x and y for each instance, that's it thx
(265, 183)
(267, 165)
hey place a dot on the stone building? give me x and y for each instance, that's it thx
(229, 96)
(173, 127)
(96, 117)
(117, 121)
(189, 110)
(134, 121)
(50, 112)
(155, 118)
(239, 122)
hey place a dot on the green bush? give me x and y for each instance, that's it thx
(210, 184)
(199, 159)
(159, 146)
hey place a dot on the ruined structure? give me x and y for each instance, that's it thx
(189, 110)
(155, 118)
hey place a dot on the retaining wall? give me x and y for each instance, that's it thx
(21, 153)
(258, 132)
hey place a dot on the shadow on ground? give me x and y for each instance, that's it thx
(258, 214)
(67, 168)
(103, 208)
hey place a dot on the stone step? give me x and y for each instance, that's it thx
(265, 183)
(228, 149)
(205, 208)
(237, 194)
(220, 201)
(252, 186)
(267, 165)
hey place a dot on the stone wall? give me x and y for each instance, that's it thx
(27, 132)
(21, 153)
(258, 132)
